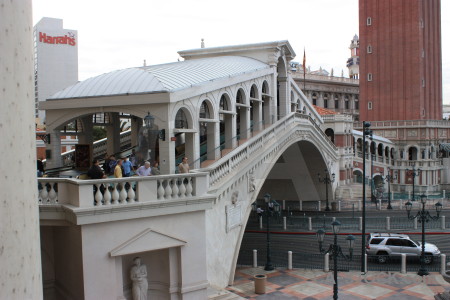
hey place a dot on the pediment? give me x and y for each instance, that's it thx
(147, 240)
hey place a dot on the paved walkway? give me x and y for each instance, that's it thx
(315, 284)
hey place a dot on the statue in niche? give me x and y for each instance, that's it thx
(138, 275)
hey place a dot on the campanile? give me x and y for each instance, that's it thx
(401, 65)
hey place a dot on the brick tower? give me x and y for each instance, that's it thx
(401, 65)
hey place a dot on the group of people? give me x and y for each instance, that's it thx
(122, 167)
(125, 167)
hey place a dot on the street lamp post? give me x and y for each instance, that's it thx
(335, 250)
(389, 179)
(422, 217)
(327, 180)
(372, 194)
(366, 131)
(414, 172)
(271, 206)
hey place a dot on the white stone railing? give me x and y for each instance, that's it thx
(325, 78)
(226, 164)
(121, 191)
(406, 124)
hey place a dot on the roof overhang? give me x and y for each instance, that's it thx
(240, 50)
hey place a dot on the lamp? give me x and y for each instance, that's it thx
(336, 226)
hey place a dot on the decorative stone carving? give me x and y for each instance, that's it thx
(251, 183)
(234, 216)
(138, 275)
(235, 197)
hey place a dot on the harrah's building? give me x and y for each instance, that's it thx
(56, 59)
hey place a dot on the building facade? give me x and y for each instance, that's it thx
(401, 63)
(55, 60)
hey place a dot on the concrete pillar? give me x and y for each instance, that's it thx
(326, 263)
(257, 115)
(283, 101)
(20, 273)
(136, 124)
(442, 222)
(309, 224)
(284, 223)
(255, 258)
(443, 263)
(113, 134)
(403, 267)
(213, 141)
(365, 262)
(260, 222)
(53, 150)
(289, 260)
(415, 223)
(388, 223)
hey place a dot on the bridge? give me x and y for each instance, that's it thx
(259, 134)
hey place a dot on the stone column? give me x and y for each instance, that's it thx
(136, 124)
(53, 150)
(257, 116)
(20, 274)
(283, 101)
(113, 135)
(320, 100)
(213, 140)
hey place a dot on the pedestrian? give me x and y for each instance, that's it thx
(259, 211)
(183, 167)
(155, 169)
(144, 170)
(40, 167)
(118, 169)
(127, 167)
(133, 159)
(106, 168)
(95, 172)
(112, 164)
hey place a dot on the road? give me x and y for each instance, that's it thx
(299, 240)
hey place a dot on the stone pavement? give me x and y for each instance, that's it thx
(316, 284)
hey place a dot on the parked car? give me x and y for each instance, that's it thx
(386, 245)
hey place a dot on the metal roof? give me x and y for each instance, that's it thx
(161, 78)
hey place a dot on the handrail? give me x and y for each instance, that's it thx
(224, 165)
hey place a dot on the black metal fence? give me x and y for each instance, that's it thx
(279, 259)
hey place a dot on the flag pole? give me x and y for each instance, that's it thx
(304, 69)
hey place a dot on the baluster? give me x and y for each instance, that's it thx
(115, 195)
(189, 187)
(131, 194)
(107, 196)
(160, 189)
(98, 195)
(175, 189)
(182, 187)
(168, 190)
(44, 194)
(52, 196)
(123, 193)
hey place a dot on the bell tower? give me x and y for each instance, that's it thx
(353, 61)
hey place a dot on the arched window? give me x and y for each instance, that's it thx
(412, 153)
(314, 99)
(204, 111)
(325, 101)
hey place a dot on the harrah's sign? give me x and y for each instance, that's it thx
(68, 39)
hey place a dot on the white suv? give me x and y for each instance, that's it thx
(385, 245)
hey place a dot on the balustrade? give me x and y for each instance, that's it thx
(120, 191)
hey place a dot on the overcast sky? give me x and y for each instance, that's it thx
(116, 34)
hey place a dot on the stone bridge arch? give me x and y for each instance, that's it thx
(303, 152)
